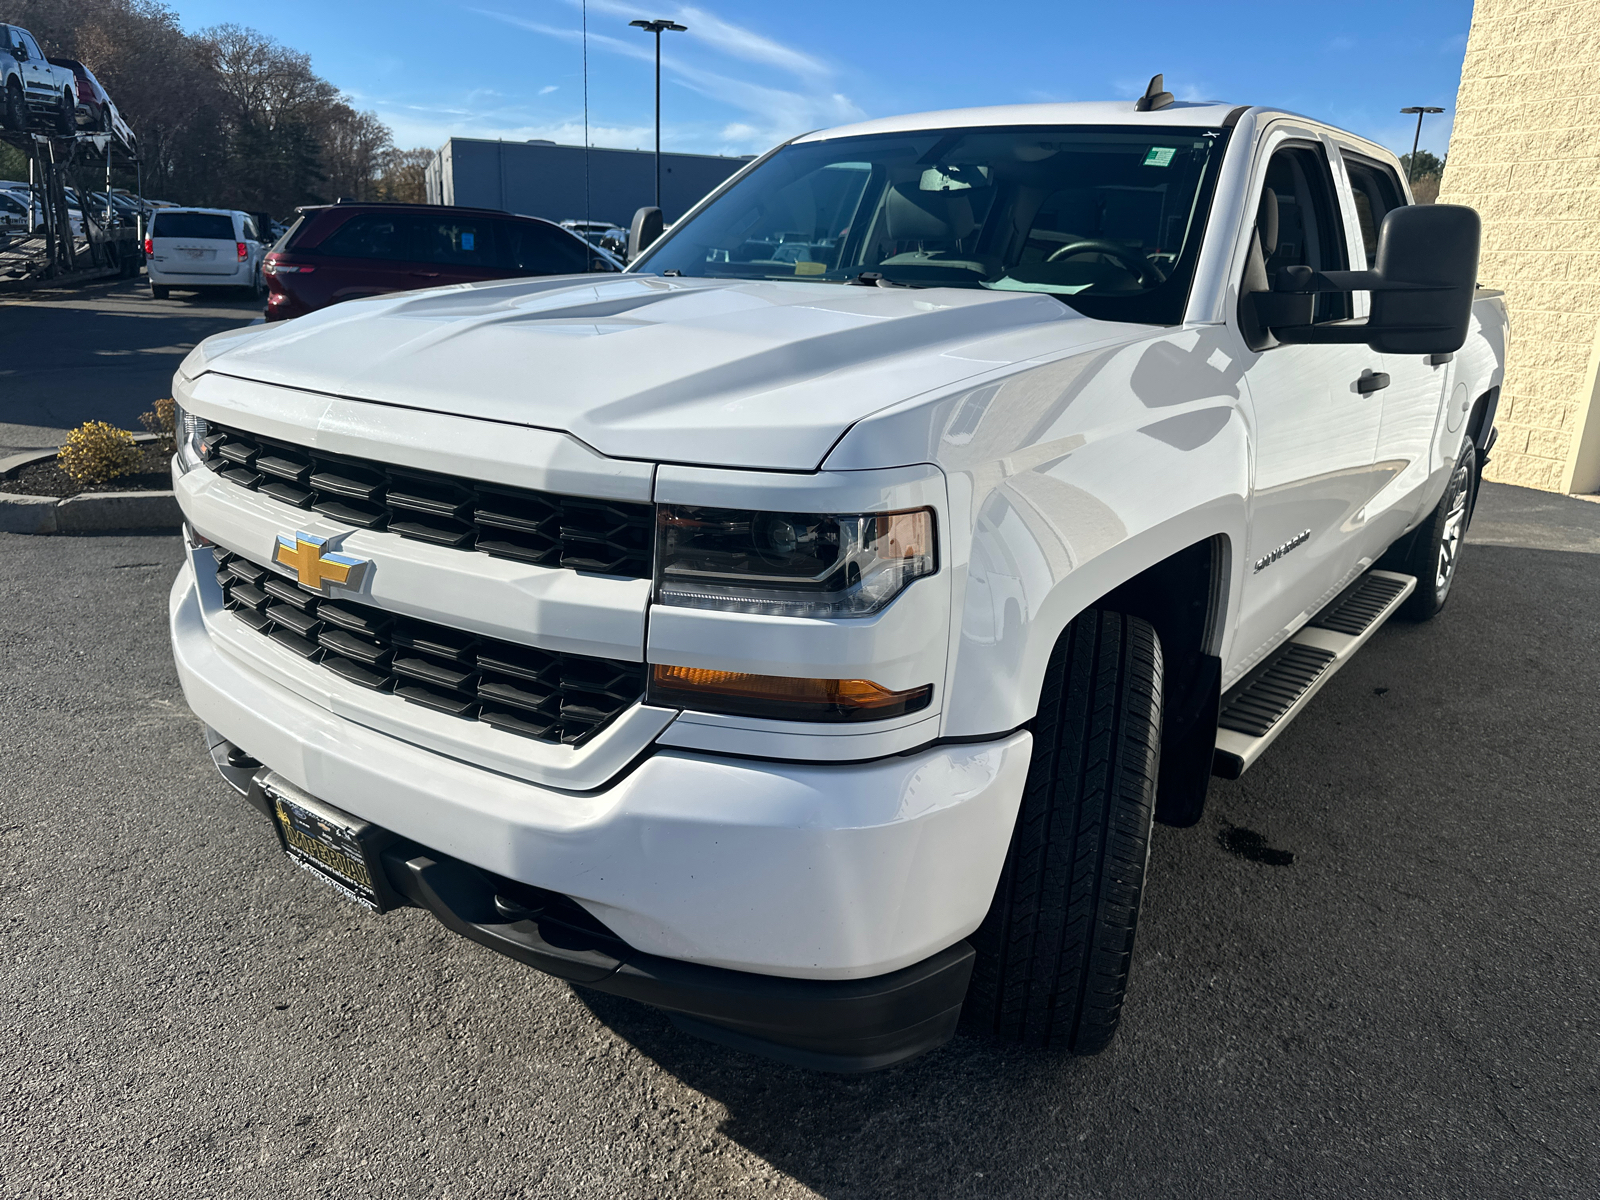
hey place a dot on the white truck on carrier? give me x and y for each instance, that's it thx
(800, 631)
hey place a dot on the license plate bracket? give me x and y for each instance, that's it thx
(338, 848)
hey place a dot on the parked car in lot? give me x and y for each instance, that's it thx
(343, 251)
(14, 216)
(33, 90)
(200, 249)
(611, 238)
(26, 196)
(801, 630)
(96, 111)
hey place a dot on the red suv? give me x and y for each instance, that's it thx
(340, 251)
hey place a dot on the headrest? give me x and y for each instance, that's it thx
(1267, 222)
(913, 215)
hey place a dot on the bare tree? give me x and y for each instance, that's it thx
(356, 146)
(402, 177)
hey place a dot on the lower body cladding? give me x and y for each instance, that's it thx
(814, 913)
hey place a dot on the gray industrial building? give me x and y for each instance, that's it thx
(542, 179)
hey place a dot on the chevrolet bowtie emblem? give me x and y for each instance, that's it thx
(315, 565)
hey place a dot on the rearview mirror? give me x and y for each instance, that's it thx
(1422, 285)
(646, 228)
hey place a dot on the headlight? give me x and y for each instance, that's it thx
(188, 429)
(789, 564)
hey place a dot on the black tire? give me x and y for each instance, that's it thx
(1055, 949)
(66, 115)
(16, 114)
(1432, 551)
(159, 291)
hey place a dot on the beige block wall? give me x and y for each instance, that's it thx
(1525, 152)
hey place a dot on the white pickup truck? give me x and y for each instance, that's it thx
(800, 631)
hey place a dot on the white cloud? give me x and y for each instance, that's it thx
(547, 89)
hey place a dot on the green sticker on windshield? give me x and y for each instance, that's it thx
(1160, 156)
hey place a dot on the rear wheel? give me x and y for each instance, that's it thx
(16, 114)
(1432, 551)
(1055, 949)
(66, 114)
(159, 292)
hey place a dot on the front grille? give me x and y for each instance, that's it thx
(607, 536)
(563, 698)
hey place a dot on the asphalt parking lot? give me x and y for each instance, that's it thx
(98, 353)
(1370, 971)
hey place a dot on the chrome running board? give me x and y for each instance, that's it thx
(1261, 705)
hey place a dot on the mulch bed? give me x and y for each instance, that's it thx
(47, 479)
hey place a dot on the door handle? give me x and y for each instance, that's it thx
(1372, 381)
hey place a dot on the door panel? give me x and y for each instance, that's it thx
(1416, 388)
(1315, 434)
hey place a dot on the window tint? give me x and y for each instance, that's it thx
(467, 242)
(31, 45)
(368, 235)
(216, 227)
(540, 250)
(1377, 192)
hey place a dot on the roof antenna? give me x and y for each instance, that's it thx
(1153, 97)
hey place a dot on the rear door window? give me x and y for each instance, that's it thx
(466, 243)
(216, 227)
(1376, 191)
(533, 249)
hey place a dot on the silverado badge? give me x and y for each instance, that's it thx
(315, 564)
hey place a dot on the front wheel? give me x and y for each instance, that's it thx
(1054, 951)
(16, 113)
(1432, 551)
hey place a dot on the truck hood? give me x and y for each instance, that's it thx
(712, 372)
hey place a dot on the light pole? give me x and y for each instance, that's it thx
(1411, 171)
(656, 27)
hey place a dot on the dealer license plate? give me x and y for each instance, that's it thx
(339, 849)
(199, 254)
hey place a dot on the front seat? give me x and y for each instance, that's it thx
(935, 222)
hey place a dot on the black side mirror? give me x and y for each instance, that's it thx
(646, 228)
(1422, 285)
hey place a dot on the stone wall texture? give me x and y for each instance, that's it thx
(1525, 152)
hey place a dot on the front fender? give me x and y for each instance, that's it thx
(1068, 478)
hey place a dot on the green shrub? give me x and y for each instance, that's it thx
(96, 452)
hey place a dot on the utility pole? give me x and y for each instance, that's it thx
(657, 27)
(1411, 171)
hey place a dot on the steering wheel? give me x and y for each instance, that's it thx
(1137, 264)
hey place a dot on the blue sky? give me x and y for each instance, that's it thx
(749, 74)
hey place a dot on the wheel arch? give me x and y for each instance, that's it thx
(1182, 575)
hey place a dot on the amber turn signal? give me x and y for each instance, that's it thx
(779, 697)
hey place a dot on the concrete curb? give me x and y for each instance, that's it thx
(88, 512)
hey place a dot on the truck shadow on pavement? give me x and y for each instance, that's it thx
(1335, 980)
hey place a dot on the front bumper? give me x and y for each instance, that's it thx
(798, 872)
(846, 1025)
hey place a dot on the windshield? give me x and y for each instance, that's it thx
(1108, 219)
